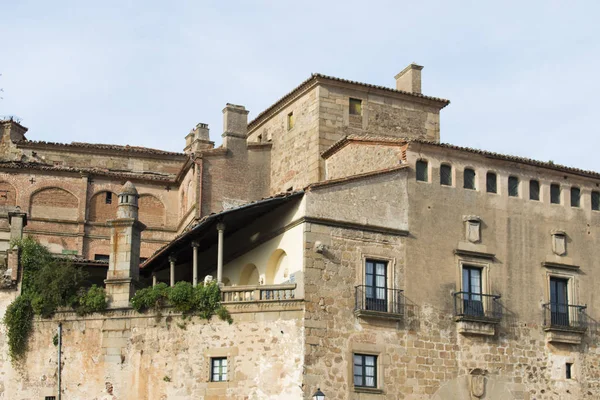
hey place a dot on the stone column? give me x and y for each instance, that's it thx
(172, 260)
(153, 280)
(17, 220)
(221, 231)
(195, 246)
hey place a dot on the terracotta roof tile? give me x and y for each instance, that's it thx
(316, 76)
(99, 146)
(337, 181)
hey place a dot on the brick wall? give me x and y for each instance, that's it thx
(99, 210)
(54, 203)
(151, 210)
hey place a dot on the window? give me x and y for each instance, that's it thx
(108, 198)
(290, 121)
(422, 171)
(445, 175)
(218, 369)
(568, 370)
(559, 303)
(575, 196)
(534, 190)
(469, 179)
(101, 257)
(596, 201)
(355, 107)
(365, 370)
(555, 193)
(50, 398)
(376, 285)
(513, 186)
(472, 291)
(490, 183)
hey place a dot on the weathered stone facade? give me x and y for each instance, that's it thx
(439, 265)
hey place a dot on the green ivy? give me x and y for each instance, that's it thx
(48, 283)
(202, 300)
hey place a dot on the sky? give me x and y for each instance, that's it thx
(522, 76)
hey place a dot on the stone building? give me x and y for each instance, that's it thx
(356, 253)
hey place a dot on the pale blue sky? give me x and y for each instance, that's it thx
(522, 76)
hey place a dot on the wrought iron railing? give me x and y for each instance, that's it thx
(258, 292)
(476, 306)
(382, 300)
(565, 316)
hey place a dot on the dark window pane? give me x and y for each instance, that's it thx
(469, 179)
(534, 190)
(446, 175)
(596, 201)
(355, 107)
(108, 199)
(365, 370)
(422, 171)
(101, 257)
(513, 186)
(490, 183)
(575, 197)
(555, 193)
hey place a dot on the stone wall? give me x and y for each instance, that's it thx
(364, 158)
(124, 355)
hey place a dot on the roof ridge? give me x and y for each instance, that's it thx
(105, 146)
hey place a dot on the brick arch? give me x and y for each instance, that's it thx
(151, 210)
(99, 210)
(8, 194)
(55, 203)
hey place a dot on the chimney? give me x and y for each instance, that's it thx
(235, 125)
(12, 129)
(409, 79)
(198, 139)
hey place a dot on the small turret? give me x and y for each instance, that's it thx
(128, 202)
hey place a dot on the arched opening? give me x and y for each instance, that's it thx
(55, 203)
(226, 282)
(249, 275)
(102, 207)
(277, 268)
(8, 194)
(151, 210)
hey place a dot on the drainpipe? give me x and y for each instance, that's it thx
(59, 355)
(195, 263)
(221, 230)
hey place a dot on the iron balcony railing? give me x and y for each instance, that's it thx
(477, 307)
(565, 316)
(381, 300)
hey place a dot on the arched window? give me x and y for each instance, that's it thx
(422, 174)
(446, 175)
(277, 268)
(54, 203)
(469, 179)
(513, 186)
(491, 184)
(534, 190)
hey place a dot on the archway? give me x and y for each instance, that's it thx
(54, 202)
(277, 268)
(249, 275)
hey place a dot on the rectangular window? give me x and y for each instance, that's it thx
(490, 183)
(513, 186)
(596, 201)
(534, 190)
(376, 285)
(469, 179)
(365, 370)
(108, 198)
(575, 196)
(472, 291)
(218, 369)
(355, 107)
(568, 370)
(559, 303)
(290, 121)
(446, 175)
(555, 193)
(101, 257)
(422, 174)
(50, 398)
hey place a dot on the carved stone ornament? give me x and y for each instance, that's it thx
(559, 242)
(472, 228)
(477, 383)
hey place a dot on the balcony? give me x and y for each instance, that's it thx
(564, 323)
(477, 314)
(237, 294)
(378, 302)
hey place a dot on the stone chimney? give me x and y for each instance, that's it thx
(125, 239)
(235, 125)
(13, 130)
(409, 79)
(198, 139)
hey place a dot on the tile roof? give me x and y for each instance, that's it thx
(350, 178)
(99, 146)
(166, 178)
(489, 154)
(316, 76)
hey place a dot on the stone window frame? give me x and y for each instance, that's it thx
(452, 178)
(369, 349)
(427, 170)
(228, 352)
(485, 274)
(390, 273)
(212, 366)
(354, 100)
(571, 277)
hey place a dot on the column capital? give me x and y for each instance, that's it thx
(172, 258)
(220, 226)
(195, 244)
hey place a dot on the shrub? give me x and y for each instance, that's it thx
(180, 296)
(91, 300)
(19, 322)
(154, 297)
